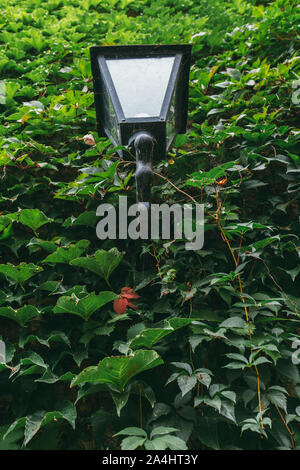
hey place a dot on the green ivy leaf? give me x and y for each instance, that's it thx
(84, 307)
(22, 315)
(233, 322)
(160, 430)
(120, 399)
(33, 423)
(33, 218)
(102, 262)
(174, 442)
(150, 336)
(132, 442)
(67, 254)
(117, 371)
(132, 431)
(21, 272)
(186, 383)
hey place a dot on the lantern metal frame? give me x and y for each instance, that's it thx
(156, 126)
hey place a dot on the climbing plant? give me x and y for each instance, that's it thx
(123, 344)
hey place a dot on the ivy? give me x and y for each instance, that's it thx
(142, 344)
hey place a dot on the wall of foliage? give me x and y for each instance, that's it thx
(189, 350)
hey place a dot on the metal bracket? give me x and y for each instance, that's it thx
(144, 144)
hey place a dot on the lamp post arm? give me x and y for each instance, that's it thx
(144, 145)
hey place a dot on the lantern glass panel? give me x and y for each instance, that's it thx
(141, 84)
(171, 121)
(110, 118)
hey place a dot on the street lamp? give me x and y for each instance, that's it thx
(141, 100)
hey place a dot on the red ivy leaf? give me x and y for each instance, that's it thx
(124, 300)
(120, 305)
(128, 293)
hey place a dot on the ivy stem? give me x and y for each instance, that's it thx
(288, 429)
(174, 186)
(108, 283)
(190, 347)
(141, 409)
(236, 262)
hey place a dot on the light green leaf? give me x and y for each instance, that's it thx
(150, 336)
(21, 315)
(260, 360)
(132, 431)
(120, 399)
(227, 410)
(84, 307)
(5, 227)
(201, 179)
(17, 424)
(183, 365)
(234, 322)
(229, 394)
(33, 358)
(234, 73)
(57, 336)
(160, 430)
(33, 423)
(278, 398)
(238, 357)
(215, 402)
(67, 254)
(39, 419)
(186, 383)
(174, 442)
(102, 262)
(117, 371)
(33, 218)
(87, 218)
(132, 442)
(156, 444)
(20, 273)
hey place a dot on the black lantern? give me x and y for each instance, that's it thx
(141, 99)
